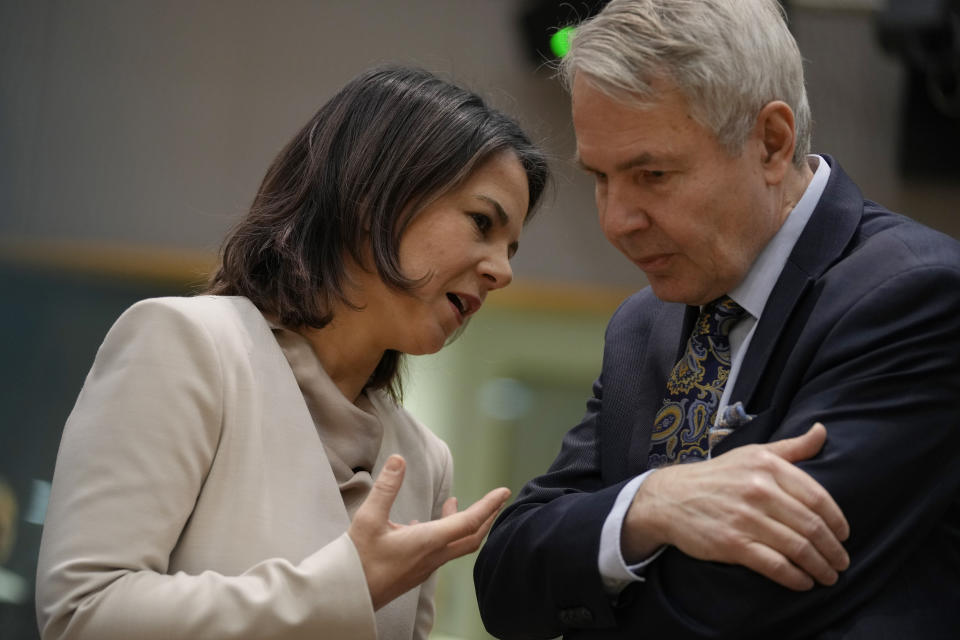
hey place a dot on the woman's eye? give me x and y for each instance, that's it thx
(482, 221)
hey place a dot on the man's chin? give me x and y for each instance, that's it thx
(672, 290)
(667, 289)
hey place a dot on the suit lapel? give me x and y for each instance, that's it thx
(690, 316)
(828, 232)
(648, 383)
(790, 287)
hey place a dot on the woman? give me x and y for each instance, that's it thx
(192, 496)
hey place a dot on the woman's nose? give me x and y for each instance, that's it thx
(497, 271)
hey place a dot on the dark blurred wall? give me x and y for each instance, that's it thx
(51, 323)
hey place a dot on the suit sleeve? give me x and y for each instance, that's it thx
(132, 462)
(885, 381)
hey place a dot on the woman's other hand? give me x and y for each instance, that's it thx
(398, 557)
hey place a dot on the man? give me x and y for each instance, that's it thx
(779, 298)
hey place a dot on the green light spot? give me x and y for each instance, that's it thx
(560, 41)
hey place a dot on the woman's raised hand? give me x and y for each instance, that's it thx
(398, 557)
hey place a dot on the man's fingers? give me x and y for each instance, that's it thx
(814, 497)
(801, 447)
(801, 485)
(804, 539)
(385, 489)
(821, 537)
(775, 566)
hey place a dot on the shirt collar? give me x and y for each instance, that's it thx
(754, 290)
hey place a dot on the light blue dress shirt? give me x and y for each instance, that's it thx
(751, 294)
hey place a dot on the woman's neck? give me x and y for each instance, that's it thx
(345, 352)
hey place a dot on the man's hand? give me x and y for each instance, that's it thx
(750, 506)
(397, 557)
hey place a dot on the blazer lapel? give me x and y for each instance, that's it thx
(286, 409)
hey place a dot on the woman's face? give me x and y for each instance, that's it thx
(460, 245)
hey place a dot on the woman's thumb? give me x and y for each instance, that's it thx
(386, 487)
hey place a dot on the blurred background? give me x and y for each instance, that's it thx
(133, 133)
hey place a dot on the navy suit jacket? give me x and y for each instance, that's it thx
(862, 333)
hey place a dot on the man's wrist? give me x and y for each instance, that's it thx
(614, 571)
(640, 537)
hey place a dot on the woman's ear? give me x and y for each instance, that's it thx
(775, 128)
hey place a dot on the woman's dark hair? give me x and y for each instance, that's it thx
(349, 183)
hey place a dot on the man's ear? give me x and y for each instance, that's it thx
(775, 129)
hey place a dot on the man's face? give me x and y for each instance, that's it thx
(669, 197)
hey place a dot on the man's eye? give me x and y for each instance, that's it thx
(654, 176)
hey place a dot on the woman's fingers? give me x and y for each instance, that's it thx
(470, 543)
(453, 527)
(449, 508)
(396, 558)
(378, 502)
(460, 533)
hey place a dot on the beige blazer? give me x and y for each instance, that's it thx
(192, 497)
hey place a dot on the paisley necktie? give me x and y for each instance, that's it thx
(681, 428)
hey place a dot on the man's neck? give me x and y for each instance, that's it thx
(795, 184)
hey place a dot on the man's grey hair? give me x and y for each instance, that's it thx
(728, 58)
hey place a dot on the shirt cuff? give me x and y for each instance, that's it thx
(615, 573)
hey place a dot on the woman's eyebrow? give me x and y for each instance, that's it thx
(504, 218)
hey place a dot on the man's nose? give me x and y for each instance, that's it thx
(623, 214)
